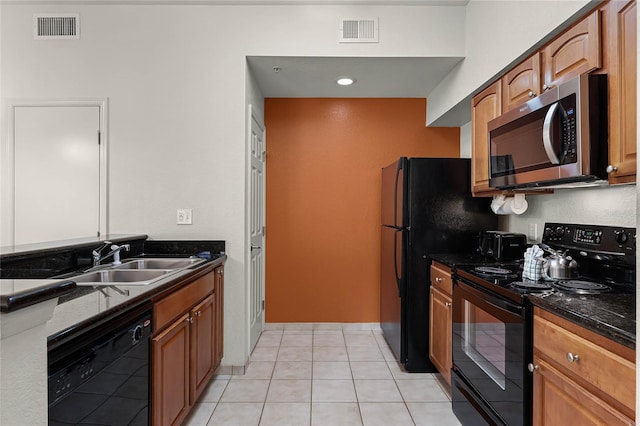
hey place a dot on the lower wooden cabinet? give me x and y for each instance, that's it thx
(440, 320)
(186, 347)
(170, 383)
(580, 377)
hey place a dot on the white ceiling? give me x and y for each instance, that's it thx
(315, 77)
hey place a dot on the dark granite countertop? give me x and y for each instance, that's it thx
(90, 306)
(612, 315)
(18, 294)
(45, 271)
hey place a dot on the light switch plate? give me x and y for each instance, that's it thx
(184, 217)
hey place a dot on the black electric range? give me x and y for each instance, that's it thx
(492, 340)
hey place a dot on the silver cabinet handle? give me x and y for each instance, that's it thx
(220, 272)
(611, 168)
(438, 279)
(447, 304)
(532, 94)
(198, 313)
(546, 87)
(190, 320)
(531, 367)
(572, 357)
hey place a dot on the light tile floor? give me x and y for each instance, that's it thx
(322, 377)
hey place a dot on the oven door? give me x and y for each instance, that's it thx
(491, 348)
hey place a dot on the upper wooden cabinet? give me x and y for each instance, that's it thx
(620, 53)
(604, 41)
(574, 52)
(485, 106)
(521, 83)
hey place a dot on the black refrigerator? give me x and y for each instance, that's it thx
(427, 208)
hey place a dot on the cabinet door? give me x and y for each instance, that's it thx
(202, 346)
(219, 331)
(485, 106)
(576, 51)
(521, 83)
(170, 371)
(621, 52)
(440, 332)
(558, 400)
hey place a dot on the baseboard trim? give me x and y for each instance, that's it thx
(367, 326)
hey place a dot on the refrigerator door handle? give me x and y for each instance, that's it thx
(395, 196)
(395, 260)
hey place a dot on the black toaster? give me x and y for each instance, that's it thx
(501, 245)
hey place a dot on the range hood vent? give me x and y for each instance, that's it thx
(56, 26)
(359, 30)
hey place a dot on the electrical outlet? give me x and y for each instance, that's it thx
(533, 232)
(184, 217)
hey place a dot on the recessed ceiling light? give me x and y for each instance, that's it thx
(345, 81)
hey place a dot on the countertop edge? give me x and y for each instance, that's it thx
(22, 299)
(606, 330)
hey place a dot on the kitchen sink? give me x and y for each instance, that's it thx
(126, 277)
(161, 263)
(140, 271)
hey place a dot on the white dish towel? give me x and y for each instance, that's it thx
(533, 263)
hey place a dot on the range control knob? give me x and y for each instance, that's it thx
(621, 237)
(548, 232)
(559, 231)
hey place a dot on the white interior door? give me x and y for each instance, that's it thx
(257, 218)
(56, 173)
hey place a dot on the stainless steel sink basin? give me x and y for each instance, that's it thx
(112, 276)
(158, 263)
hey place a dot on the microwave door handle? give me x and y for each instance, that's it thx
(546, 134)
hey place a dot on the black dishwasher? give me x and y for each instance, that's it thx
(101, 376)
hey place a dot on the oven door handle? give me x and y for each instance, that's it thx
(495, 302)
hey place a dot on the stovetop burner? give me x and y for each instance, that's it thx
(581, 287)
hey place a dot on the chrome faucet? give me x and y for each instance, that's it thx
(115, 252)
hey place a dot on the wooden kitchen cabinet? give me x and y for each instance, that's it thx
(170, 377)
(485, 106)
(440, 319)
(580, 377)
(621, 52)
(521, 83)
(574, 52)
(185, 347)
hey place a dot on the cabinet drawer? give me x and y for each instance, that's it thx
(182, 300)
(604, 370)
(441, 277)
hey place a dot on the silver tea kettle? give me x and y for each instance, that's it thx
(558, 265)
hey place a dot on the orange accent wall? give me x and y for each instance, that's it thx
(324, 161)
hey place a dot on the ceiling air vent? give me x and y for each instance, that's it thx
(48, 26)
(359, 30)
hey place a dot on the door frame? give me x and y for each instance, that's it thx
(7, 157)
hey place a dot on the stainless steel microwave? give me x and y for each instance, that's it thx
(556, 139)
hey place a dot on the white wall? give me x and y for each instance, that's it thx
(609, 206)
(497, 33)
(176, 81)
